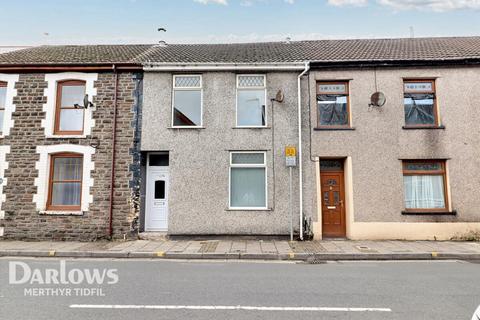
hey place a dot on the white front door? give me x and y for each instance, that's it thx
(156, 217)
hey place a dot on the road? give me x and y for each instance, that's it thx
(153, 289)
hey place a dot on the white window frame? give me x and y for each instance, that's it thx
(8, 121)
(252, 165)
(175, 88)
(4, 150)
(43, 180)
(239, 88)
(50, 106)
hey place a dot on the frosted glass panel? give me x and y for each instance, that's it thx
(67, 169)
(3, 97)
(248, 158)
(248, 187)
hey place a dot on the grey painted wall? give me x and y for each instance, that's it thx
(199, 158)
(378, 141)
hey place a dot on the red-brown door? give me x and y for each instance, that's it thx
(333, 204)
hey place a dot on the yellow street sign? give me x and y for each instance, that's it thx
(290, 151)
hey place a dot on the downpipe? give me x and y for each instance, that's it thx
(114, 138)
(300, 157)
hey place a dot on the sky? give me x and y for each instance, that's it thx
(39, 22)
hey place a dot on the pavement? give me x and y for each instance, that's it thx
(311, 251)
(236, 289)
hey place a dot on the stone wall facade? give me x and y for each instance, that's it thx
(22, 219)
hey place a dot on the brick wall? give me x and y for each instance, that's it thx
(22, 221)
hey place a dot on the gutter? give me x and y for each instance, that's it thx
(300, 171)
(67, 67)
(114, 137)
(220, 66)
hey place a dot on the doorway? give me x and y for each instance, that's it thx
(332, 185)
(156, 214)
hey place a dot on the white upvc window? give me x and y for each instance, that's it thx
(3, 181)
(248, 180)
(7, 108)
(251, 100)
(187, 101)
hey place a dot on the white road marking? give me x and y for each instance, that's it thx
(250, 308)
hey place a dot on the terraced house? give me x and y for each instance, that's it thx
(190, 139)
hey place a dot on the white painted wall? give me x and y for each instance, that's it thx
(3, 166)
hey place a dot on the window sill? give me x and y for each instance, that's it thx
(248, 209)
(66, 136)
(186, 128)
(252, 127)
(61, 213)
(429, 213)
(334, 129)
(423, 127)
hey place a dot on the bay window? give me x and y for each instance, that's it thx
(248, 180)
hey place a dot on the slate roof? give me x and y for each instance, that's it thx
(326, 51)
(74, 55)
(321, 51)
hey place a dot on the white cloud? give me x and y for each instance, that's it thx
(223, 2)
(432, 5)
(290, 1)
(352, 3)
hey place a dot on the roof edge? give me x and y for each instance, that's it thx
(219, 66)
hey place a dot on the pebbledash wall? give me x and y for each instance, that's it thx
(26, 147)
(374, 149)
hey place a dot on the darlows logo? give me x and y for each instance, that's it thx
(476, 315)
(22, 273)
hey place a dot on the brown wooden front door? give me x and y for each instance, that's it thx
(333, 204)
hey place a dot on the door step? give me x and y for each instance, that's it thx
(153, 236)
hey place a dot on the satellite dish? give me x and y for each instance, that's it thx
(378, 99)
(86, 103)
(279, 97)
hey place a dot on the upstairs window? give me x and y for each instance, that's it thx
(333, 104)
(3, 101)
(65, 184)
(420, 103)
(251, 96)
(187, 101)
(425, 185)
(69, 115)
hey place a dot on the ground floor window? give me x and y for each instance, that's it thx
(425, 185)
(248, 180)
(65, 183)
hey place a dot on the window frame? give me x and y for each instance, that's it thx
(346, 92)
(175, 88)
(239, 88)
(251, 165)
(3, 84)
(442, 171)
(49, 205)
(436, 123)
(58, 108)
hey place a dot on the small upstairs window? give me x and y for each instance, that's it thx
(251, 96)
(333, 104)
(69, 115)
(187, 101)
(3, 101)
(420, 103)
